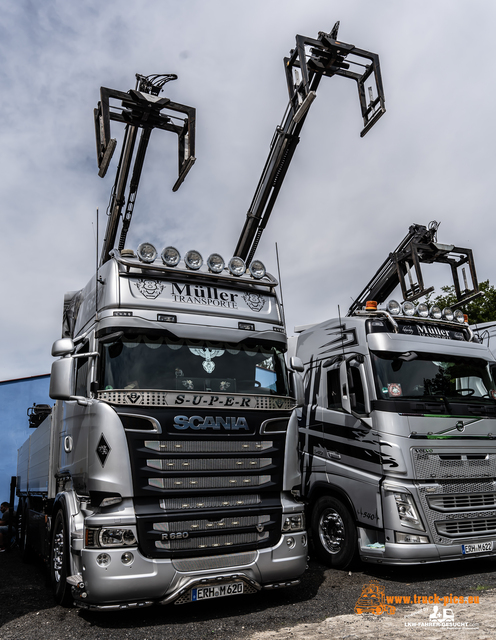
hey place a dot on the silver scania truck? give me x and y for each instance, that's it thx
(167, 471)
(398, 428)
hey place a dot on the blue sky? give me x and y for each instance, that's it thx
(347, 202)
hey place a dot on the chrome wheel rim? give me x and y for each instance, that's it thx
(58, 554)
(331, 531)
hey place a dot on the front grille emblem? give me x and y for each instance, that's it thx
(260, 528)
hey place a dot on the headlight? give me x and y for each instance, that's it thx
(408, 308)
(147, 252)
(193, 260)
(109, 537)
(257, 269)
(407, 510)
(237, 266)
(215, 263)
(293, 523)
(393, 307)
(171, 256)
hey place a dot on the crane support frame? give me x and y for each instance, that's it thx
(304, 68)
(139, 108)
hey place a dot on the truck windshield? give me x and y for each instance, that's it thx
(141, 361)
(423, 375)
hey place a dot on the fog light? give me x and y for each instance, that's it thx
(447, 314)
(393, 307)
(422, 310)
(435, 312)
(193, 260)
(408, 308)
(103, 559)
(215, 263)
(237, 266)
(257, 269)
(291, 542)
(171, 256)
(127, 558)
(147, 252)
(410, 538)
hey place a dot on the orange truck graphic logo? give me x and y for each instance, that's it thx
(373, 600)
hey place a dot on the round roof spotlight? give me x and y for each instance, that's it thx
(215, 263)
(193, 260)
(459, 316)
(435, 312)
(422, 310)
(257, 269)
(237, 266)
(447, 314)
(170, 257)
(408, 308)
(147, 252)
(393, 308)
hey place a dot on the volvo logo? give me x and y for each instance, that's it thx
(460, 426)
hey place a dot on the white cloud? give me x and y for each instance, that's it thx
(347, 202)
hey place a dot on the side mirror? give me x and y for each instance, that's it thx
(62, 378)
(296, 364)
(297, 387)
(63, 347)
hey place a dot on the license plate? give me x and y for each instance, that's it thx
(216, 591)
(477, 548)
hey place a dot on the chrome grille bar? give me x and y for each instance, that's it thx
(232, 522)
(222, 482)
(208, 464)
(213, 542)
(209, 502)
(207, 446)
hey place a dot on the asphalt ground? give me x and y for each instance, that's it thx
(322, 606)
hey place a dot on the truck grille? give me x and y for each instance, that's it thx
(462, 502)
(202, 494)
(459, 509)
(441, 464)
(464, 528)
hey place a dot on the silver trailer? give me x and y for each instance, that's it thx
(167, 471)
(398, 433)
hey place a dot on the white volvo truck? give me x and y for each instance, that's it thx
(167, 471)
(398, 429)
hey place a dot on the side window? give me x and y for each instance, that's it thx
(82, 365)
(356, 387)
(334, 389)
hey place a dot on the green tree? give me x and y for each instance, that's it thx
(482, 309)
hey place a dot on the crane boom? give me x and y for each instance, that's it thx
(140, 108)
(402, 267)
(307, 64)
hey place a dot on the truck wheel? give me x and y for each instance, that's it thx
(59, 561)
(334, 533)
(23, 531)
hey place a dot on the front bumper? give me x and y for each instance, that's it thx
(149, 580)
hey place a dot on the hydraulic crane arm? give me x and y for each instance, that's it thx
(308, 63)
(140, 108)
(402, 267)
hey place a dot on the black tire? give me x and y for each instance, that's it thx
(59, 561)
(334, 534)
(23, 541)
